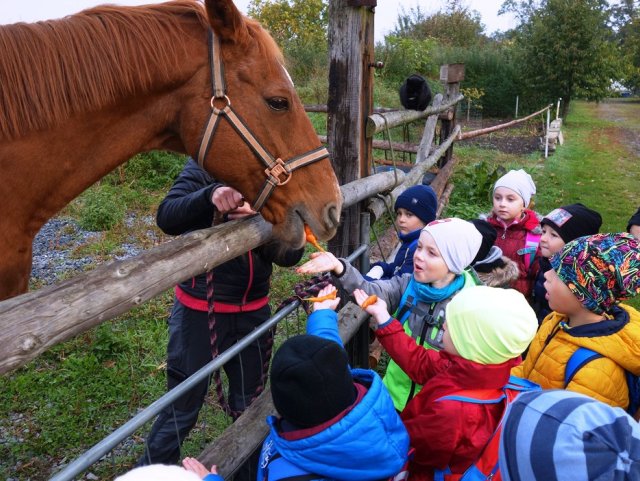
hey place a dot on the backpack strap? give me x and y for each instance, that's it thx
(578, 359)
(486, 466)
(530, 247)
(633, 382)
(583, 356)
(521, 384)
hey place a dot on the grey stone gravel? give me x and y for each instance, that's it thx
(55, 247)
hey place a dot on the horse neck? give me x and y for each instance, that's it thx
(65, 160)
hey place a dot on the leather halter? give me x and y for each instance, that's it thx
(278, 172)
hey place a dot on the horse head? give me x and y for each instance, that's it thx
(257, 93)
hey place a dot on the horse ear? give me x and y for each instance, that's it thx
(226, 21)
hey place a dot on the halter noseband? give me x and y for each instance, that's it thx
(278, 172)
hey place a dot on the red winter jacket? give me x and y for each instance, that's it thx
(513, 237)
(444, 433)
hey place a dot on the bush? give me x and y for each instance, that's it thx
(473, 187)
(101, 208)
(403, 57)
(154, 170)
(490, 69)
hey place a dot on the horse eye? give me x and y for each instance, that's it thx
(278, 103)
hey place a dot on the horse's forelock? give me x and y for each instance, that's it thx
(267, 45)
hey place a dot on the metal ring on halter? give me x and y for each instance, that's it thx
(217, 110)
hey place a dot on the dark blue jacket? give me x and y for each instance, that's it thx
(403, 262)
(539, 302)
(369, 443)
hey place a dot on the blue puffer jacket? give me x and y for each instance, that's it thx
(403, 262)
(369, 443)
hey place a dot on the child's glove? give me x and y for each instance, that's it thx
(375, 272)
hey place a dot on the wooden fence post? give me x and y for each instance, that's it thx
(450, 75)
(350, 102)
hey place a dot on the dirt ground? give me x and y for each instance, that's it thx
(625, 113)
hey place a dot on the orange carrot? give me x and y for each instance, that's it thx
(369, 300)
(331, 295)
(311, 239)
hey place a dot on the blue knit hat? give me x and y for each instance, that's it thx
(562, 435)
(420, 200)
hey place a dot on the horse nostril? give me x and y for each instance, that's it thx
(333, 215)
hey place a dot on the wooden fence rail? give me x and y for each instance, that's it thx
(322, 108)
(488, 130)
(377, 206)
(379, 122)
(33, 322)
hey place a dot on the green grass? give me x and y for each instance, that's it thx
(592, 168)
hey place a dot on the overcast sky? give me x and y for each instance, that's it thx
(12, 11)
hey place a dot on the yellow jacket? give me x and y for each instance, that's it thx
(617, 340)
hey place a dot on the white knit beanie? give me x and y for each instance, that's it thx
(458, 242)
(520, 182)
(159, 472)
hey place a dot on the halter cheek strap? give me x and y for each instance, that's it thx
(277, 172)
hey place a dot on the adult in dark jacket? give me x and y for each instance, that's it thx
(240, 303)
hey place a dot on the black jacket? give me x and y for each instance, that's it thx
(635, 220)
(188, 207)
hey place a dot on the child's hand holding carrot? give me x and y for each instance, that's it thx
(373, 305)
(330, 302)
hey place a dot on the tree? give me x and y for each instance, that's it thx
(565, 49)
(455, 26)
(300, 29)
(293, 21)
(626, 23)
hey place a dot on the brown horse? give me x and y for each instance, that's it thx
(83, 94)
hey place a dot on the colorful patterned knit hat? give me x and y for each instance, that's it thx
(600, 270)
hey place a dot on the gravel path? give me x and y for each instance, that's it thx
(56, 246)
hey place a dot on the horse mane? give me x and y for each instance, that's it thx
(53, 69)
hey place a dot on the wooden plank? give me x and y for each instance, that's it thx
(384, 145)
(322, 108)
(443, 200)
(452, 73)
(377, 206)
(376, 123)
(429, 132)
